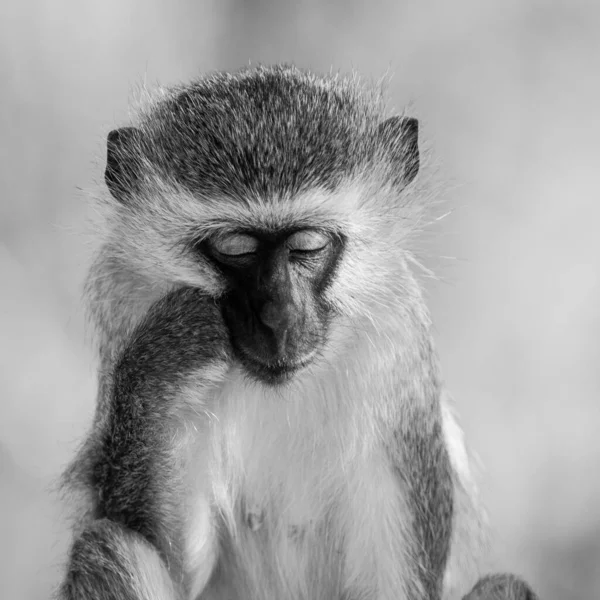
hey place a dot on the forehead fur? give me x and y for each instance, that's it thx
(266, 148)
(263, 132)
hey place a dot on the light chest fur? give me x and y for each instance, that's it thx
(303, 489)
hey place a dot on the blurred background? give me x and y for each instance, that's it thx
(508, 96)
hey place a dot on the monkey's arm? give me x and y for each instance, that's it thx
(435, 468)
(422, 464)
(134, 546)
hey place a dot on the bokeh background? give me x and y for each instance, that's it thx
(508, 95)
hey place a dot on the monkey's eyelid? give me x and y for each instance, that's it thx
(308, 241)
(235, 244)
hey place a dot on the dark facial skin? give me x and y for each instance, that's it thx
(274, 309)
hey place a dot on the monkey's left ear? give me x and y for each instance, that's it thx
(400, 136)
(122, 162)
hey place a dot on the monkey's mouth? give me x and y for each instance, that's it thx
(275, 372)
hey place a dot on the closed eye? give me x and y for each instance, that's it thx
(307, 241)
(235, 244)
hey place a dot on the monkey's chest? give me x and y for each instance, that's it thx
(281, 551)
(281, 484)
(282, 539)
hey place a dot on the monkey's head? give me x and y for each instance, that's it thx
(281, 194)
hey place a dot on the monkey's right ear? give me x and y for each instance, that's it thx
(400, 136)
(122, 161)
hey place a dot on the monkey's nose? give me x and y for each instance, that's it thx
(275, 315)
(279, 318)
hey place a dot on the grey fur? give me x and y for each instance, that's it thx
(261, 134)
(126, 464)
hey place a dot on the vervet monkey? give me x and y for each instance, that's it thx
(271, 421)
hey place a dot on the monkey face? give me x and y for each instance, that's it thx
(274, 307)
(250, 187)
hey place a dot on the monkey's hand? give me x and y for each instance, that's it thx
(501, 586)
(181, 333)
